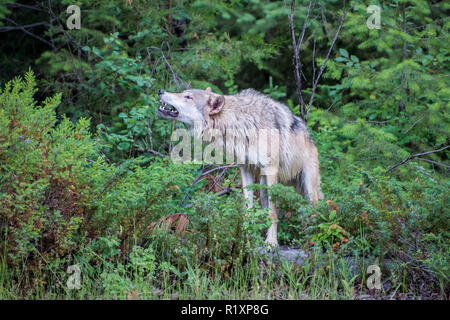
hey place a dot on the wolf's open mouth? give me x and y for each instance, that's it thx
(168, 110)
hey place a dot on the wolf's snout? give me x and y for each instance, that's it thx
(165, 109)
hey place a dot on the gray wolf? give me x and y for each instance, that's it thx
(291, 158)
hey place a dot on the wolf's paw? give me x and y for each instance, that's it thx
(271, 239)
(271, 243)
(268, 250)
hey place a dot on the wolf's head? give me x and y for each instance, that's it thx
(190, 106)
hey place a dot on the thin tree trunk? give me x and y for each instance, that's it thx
(401, 104)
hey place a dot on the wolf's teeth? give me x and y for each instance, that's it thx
(168, 108)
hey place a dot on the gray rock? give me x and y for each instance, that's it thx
(291, 255)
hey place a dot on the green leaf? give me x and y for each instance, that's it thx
(343, 52)
(332, 214)
(97, 52)
(354, 58)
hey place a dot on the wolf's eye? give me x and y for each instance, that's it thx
(188, 97)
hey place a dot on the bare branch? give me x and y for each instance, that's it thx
(401, 104)
(413, 125)
(370, 121)
(322, 68)
(176, 78)
(305, 23)
(18, 5)
(324, 22)
(415, 156)
(19, 27)
(156, 153)
(314, 60)
(296, 44)
(435, 162)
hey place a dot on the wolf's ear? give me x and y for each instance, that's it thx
(208, 89)
(215, 104)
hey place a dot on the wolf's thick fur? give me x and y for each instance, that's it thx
(245, 116)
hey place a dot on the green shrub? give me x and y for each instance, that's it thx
(221, 234)
(58, 195)
(42, 173)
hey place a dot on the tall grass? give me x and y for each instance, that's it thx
(322, 276)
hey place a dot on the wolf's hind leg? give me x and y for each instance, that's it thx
(311, 181)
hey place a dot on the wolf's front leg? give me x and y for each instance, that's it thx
(271, 237)
(247, 179)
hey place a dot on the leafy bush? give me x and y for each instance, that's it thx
(220, 235)
(57, 194)
(43, 182)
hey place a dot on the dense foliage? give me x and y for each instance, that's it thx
(85, 176)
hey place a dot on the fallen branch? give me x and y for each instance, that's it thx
(224, 191)
(156, 153)
(202, 174)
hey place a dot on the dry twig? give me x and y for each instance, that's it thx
(415, 156)
(298, 66)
